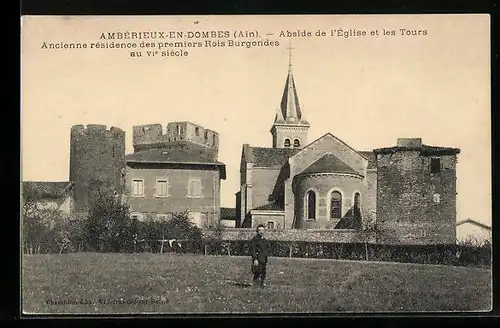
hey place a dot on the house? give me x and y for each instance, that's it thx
(470, 230)
(174, 170)
(58, 195)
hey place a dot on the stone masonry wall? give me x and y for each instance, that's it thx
(369, 198)
(412, 201)
(333, 236)
(184, 135)
(309, 155)
(97, 160)
(323, 185)
(280, 133)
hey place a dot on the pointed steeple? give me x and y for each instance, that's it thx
(290, 111)
(290, 127)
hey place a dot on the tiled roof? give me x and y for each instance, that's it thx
(271, 206)
(46, 189)
(371, 157)
(272, 157)
(329, 164)
(227, 213)
(160, 155)
(172, 156)
(423, 149)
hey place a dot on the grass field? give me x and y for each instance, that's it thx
(175, 283)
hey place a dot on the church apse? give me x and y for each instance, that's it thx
(328, 201)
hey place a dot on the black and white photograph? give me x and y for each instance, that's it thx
(255, 164)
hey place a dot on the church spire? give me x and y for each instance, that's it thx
(290, 127)
(290, 111)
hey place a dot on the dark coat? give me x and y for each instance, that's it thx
(259, 249)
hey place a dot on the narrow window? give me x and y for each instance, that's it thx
(296, 143)
(356, 204)
(287, 143)
(178, 129)
(197, 132)
(435, 165)
(138, 188)
(336, 205)
(311, 205)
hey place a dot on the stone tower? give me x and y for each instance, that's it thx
(187, 136)
(416, 193)
(97, 162)
(290, 127)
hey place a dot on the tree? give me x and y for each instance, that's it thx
(181, 228)
(108, 226)
(40, 226)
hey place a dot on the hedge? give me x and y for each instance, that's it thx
(459, 255)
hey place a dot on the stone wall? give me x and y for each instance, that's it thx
(411, 200)
(183, 135)
(369, 198)
(292, 132)
(299, 162)
(323, 185)
(333, 236)
(260, 217)
(97, 161)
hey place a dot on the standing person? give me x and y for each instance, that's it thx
(259, 249)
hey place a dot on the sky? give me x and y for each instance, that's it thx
(366, 90)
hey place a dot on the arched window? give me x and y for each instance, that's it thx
(336, 205)
(296, 143)
(356, 204)
(197, 132)
(287, 142)
(310, 205)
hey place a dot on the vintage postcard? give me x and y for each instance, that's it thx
(256, 164)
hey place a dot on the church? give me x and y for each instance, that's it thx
(406, 192)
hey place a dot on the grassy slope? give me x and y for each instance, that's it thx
(194, 283)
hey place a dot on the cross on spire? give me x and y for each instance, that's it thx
(290, 54)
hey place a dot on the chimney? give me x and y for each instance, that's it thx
(409, 142)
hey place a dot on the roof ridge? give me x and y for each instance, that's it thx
(474, 222)
(337, 138)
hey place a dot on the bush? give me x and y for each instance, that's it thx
(43, 229)
(464, 254)
(179, 235)
(108, 226)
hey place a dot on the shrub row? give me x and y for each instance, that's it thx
(463, 254)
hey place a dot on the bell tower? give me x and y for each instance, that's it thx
(290, 128)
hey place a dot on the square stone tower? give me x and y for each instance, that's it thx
(416, 193)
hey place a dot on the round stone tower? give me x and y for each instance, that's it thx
(97, 162)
